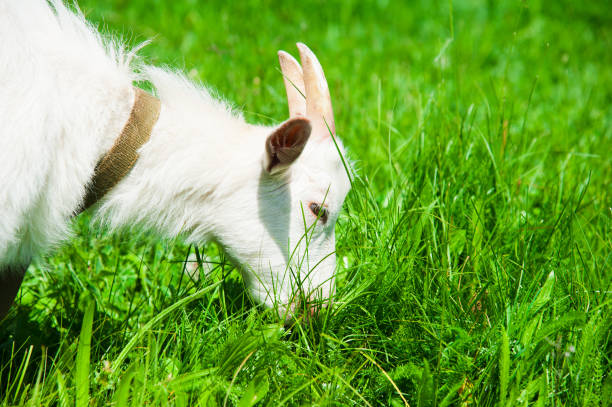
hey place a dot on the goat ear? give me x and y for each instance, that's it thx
(285, 145)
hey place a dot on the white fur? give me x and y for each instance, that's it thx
(65, 95)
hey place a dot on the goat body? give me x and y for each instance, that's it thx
(269, 195)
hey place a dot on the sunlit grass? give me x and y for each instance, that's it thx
(474, 251)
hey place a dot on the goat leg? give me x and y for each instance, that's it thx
(10, 281)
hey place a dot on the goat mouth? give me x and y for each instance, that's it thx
(306, 312)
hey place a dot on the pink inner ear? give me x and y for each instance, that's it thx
(291, 137)
(285, 145)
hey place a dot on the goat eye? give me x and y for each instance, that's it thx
(319, 211)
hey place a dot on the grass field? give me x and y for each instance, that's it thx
(474, 251)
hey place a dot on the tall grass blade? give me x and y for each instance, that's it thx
(544, 294)
(504, 367)
(255, 391)
(62, 392)
(81, 375)
(125, 384)
(22, 369)
(426, 392)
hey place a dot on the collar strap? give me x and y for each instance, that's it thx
(122, 156)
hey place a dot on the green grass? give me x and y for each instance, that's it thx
(475, 249)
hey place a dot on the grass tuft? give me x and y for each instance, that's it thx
(474, 254)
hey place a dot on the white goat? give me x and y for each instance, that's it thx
(270, 196)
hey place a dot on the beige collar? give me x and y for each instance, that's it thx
(122, 156)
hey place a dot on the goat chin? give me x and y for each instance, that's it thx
(204, 173)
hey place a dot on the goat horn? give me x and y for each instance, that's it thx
(318, 101)
(294, 84)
